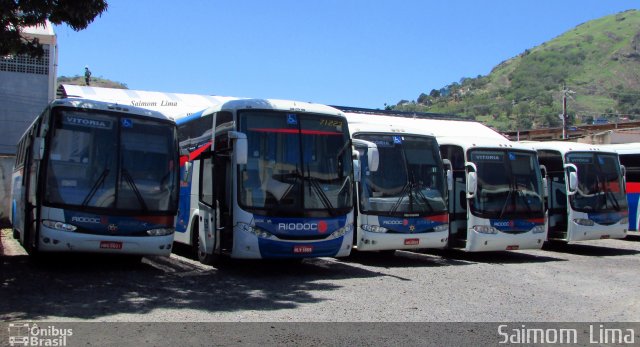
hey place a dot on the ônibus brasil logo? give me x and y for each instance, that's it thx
(25, 334)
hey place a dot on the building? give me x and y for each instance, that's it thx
(27, 85)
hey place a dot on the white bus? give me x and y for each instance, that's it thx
(97, 177)
(629, 154)
(401, 195)
(593, 204)
(266, 179)
(497, 200)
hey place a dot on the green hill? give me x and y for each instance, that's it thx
(95, 82)
(598, 61)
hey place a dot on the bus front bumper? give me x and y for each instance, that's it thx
(60, 241)
(596, 232)
(480, 242)
(370, 241)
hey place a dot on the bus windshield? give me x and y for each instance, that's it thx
(111, 161)
(298, 164)
(600, 185)
(509, 184)
(409, 179)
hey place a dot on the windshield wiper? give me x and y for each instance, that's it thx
(523, 197)
(416, 189)
(129, 180)
(313, 183)
(406, 188)
(507, 199)
(95, 186)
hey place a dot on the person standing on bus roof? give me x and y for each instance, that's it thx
(87, 75)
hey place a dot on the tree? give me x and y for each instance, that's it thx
(18, 14)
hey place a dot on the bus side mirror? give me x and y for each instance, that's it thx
(472, 184)
(545, 181)
(472, 180)
(373, 156)
(37, 151)
(572, 173)
(240, 147)
(573, 182)
(449, 170)
(357, 171)
(623, 172)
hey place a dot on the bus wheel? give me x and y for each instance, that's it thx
(31, 246)
(204, 258)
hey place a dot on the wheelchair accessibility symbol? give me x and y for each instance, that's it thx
(292, 119)
(127, 123)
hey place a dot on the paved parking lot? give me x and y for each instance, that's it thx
(590, 281)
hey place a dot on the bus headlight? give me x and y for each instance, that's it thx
(538, 229)
(58, 225)
(374, 228)
(255, 231)
(584, 221)
(160, 232)
(624, 220)
(441, 227)
(342, 231)
(484, 229)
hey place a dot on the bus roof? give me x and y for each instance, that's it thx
(269, 104)
(624, 148)
(467, 134)
(567, 147)
(359, 122)
(174, 105)
(109, 106)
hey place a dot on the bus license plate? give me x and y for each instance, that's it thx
(411, 242)
(111, 244)
(512, 248)
(299, 249)
(605, 236)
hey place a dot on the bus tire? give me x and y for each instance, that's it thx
(204, 258)
(31, 246)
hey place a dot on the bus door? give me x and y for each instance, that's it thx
(457, 198)
(557, 199)
(207, 226)
(35, 153)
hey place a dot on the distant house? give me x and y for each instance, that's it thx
(27, 85)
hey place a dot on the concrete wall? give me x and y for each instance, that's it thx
(24, 93)
(6, 168)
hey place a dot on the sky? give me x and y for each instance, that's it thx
(360, 53)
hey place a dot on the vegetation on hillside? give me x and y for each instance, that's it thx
(95, 82)
(598, 62)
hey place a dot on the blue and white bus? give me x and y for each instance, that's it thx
(496, 201)
(629, 154)
(96, 177)
(586, 191)
(402, 194)
(266, 179)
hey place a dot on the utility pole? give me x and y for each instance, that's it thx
(564, 115)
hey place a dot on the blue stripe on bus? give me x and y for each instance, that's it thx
(633, 198)
(284, 249)
(190, 117)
